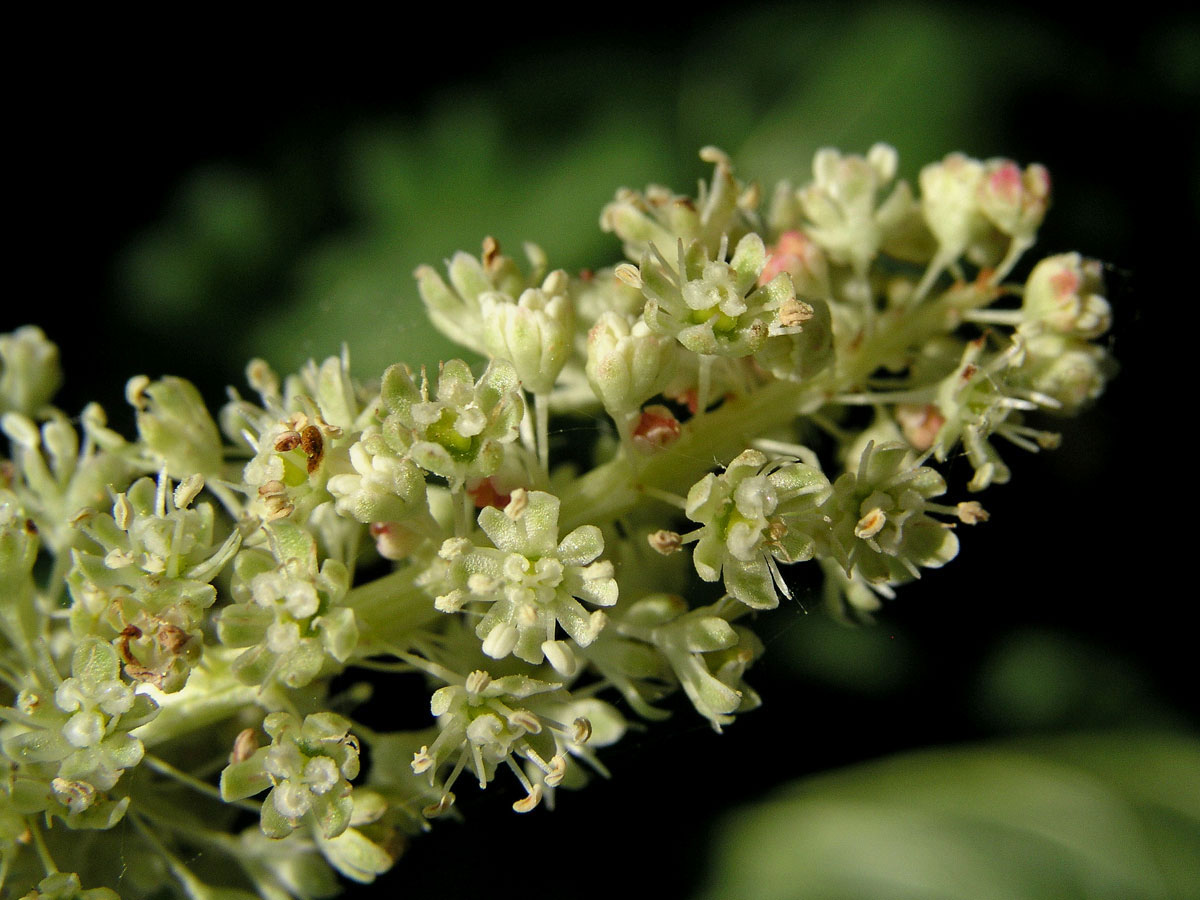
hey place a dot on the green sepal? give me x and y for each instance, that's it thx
(273, 823)
(707, 633)
(38, 746)
(300, 666)
(520, 686)
(655, 610)
(246, 778)
(100, 816)
(334, 814)
(94, 661)
(339, 632)
(243, 624)
(291, 541)
(355, 856)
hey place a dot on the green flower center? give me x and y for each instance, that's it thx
(443, 432)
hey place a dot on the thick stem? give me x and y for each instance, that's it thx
(714, 438)
(542, 412)
(389, 609)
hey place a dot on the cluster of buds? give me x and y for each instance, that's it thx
(207, 591)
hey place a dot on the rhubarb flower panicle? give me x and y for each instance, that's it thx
(30, 371)
(150, 583)
(627, 364)
(842, 204)
(299, 439)
(661, 639)
(290, 616)
(455, 309)
(74, 742)
(55, 471)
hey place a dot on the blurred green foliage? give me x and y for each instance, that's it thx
(1089, 816)
(315, 246)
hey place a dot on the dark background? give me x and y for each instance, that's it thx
(1065, 611)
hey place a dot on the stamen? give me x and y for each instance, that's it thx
(870, 524)
(627, 273)
(558, 770)
(186, 490)
(581, 731)
(442, 806)
(970, 512)
(244, 745)
(531, 801)
(665, 542)
(517, 503)
(477, 682)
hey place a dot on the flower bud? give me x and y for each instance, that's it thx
(627, 365)
(1014, 200)
(18, 543)
(29, 370)
(950, 202)
(841, 203)
(534, 334)
(1063, 294)
(383, 487)
(1068, 369)
(175, 425)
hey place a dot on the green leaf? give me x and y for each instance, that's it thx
(1114, 815)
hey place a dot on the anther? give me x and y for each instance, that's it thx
(477, 681)
(244, 746)
(517, 503)
(970, 512)
(421, 761)
(870, 524)
(122, 512)
(523, 718)
(665, 542)
(794, 313)
(581, 731)
(433, 810)
(627, 273)
(528, 803)
(186, 490)
(558, 770)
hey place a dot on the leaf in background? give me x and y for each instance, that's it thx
(1093, 816)
(418, 197)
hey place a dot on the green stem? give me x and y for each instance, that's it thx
(542, 415)
(712, 439)
(390, 608)
(196, 708)
(39, 844)
(165, 768)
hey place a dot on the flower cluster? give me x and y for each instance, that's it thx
(778, 384)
